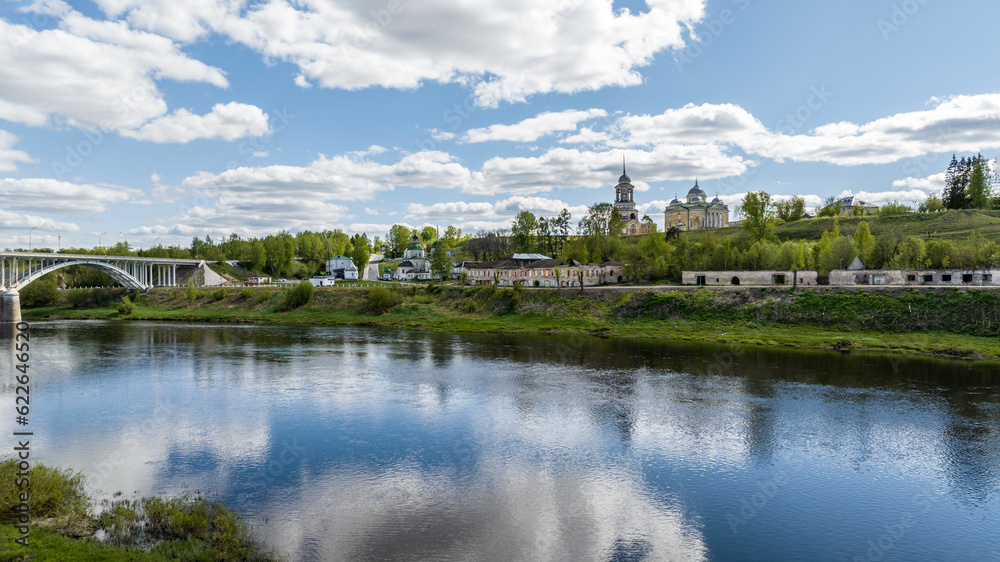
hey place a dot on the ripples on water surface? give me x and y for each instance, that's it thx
(357, 444)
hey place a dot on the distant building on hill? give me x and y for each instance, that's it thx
(625, 203)
(696, 212)
(341, 267)
(851, 206)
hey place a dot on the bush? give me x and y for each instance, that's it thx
(219, 294)
(53, 492)
(126, 306)
(246, 294)
(301, 294)
(264, 296)
(191, 292)
(381, 299)
(40, 292)
(134, 295)
(78, 298)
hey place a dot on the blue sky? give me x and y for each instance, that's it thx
(156, 121)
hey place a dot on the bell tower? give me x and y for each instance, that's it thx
(624, 201)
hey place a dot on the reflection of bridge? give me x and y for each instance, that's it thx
(17, 269)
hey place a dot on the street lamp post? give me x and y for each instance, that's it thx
(99, 240)
(29, 237)
(59, 235)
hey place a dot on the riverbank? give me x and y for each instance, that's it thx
(955, 323)
(62, 523)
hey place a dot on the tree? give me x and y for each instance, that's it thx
(757, 211)
(838, 255)
(441, 261)
(956, 183)
(452, 236)
(523, 232)
(558, 273)
(560, 225)
(980, 190)
(258, 256)
(360, 253)
(864, 241)
(911, 254)
(932, 204)
(399, 238)
(790, 210)
(428, 235)
(43, 291)
(602, 219)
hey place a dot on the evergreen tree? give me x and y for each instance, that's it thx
(954, 192)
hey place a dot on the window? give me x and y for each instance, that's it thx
(929, 278)
(967, 278)
(947, 277)
(911, 277)
(700, 280)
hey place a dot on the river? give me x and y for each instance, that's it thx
(369, 444)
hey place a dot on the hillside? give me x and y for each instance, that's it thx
(947, 225)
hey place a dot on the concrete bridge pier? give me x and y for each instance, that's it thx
(10, 307)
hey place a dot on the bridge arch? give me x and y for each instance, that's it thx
(116, 273)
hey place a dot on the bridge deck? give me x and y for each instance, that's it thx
(93, 257)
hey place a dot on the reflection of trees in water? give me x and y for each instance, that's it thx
(971, 438)
(612, 371)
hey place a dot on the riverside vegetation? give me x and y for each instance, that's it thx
(960, 323)
(64, 522)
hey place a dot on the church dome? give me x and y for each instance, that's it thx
(696, 190)
(716, 200)
(624, 179)
(676, 201)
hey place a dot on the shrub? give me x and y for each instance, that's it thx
(134, 295)
(264, 296)
(219, 294)
(41, 292)
(126, 306)
(78, 298)
(53, 492)
(246, 294)
(301, 294)
(191, 292)
(381, 299)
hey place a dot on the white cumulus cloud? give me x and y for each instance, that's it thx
(505, 50)
(226, 121)
(533, 128)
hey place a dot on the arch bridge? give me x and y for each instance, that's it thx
(17, 269)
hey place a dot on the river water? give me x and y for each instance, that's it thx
(366, 444)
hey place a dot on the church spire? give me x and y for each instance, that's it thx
(623, 165)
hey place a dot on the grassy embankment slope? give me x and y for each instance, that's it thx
(945, 322)
(949, 225)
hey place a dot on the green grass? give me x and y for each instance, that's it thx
(948, 322)
(152, 528)
(955, 226)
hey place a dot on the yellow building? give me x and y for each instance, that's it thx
(696, 212)
(624, 202)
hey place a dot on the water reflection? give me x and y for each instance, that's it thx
(370, 444)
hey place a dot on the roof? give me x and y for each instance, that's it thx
(529, 257)
(696, 190)
(405, 263)
(340, 258)
(545, 263)
(612, 263)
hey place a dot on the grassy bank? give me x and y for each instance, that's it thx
(63, 524)
(947, 322)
